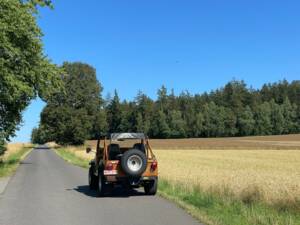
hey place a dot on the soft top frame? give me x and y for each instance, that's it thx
(126, 136)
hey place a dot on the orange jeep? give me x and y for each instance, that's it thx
(125, 159)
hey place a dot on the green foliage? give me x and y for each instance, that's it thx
(198, 125)
(25, 70)
(2, 146)
(139, 123)
(75, 115)
(246, 122)
(230, 122)
(159, 126)
(100, 125)
(289, 112)
(35, 136)
(114, 116)
(263, 124)
(277, 118)
(177, 124)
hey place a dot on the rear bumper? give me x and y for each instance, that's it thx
(132, 181)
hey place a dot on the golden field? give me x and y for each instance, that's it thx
(270, 175)
(13, 148)
(13, 155)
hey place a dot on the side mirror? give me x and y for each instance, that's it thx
(88, 150)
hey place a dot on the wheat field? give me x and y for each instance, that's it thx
(272, 175)
(12, 148)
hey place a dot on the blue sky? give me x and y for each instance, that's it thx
(194, 45)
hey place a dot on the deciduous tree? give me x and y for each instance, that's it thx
(25, 70)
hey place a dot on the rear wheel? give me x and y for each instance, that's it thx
(151, 187)
(92, 179)
(101, 186)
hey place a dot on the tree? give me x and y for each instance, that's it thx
(289, 112)
(76, 115)
(39, 135)
(143, 107)
(162, 98)
(230, 122)
(246, 122)
(34, 136)
(277, 118)
(113, 111)
(2, 146)
(100, 125)
(159, 126)
(214, 125)
(25, 71)
(263, 125)
(235, 95)
(177, 125)
(187, 108)
(198, 125)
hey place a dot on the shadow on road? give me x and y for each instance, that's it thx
(25, 163)
(117, 192)
(42, 147)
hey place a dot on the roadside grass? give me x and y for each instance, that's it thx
(10, 161)
(214, 206)
(70, 157)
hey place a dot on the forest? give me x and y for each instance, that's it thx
(236, 109)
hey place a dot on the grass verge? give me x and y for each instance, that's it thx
(9, 165)
(225, 209)
(212, 208)
(72, 158)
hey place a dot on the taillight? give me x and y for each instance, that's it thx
(154, 166)
(109, 166)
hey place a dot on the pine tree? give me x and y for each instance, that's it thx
(277, 118)
(214, 125)
(139, 123)
(289, 112)
(246, 122)
(100, 125)
(230, 122)
(160, 128)
(198, 125)
(263, 125)
(114, 116)
(162, 98)
(177, 125)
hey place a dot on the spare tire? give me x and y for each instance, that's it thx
(134, 162)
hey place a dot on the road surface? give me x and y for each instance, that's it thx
(48, 191)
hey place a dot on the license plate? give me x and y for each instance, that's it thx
(110, 172)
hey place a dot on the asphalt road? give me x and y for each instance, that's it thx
(46, 190)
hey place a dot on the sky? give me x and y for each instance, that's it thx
(194, 45)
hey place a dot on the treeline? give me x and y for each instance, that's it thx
(233, 110)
